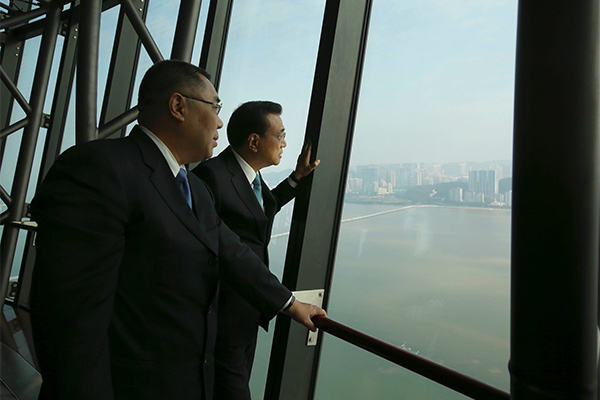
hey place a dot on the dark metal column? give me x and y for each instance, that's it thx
(215, 38)
(87, 72)
(140, 27)
(185, 33)
(122, 71)
(555, 232)
(318, 207)
(54, 136)
(28, 143)
(62, 92)
(10, 59)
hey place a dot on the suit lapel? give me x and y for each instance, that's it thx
(165, 184)
(242, 186)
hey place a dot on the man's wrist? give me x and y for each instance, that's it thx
(293, 178)
(289, 303)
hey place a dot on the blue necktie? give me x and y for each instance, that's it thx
(257, 189)
(184, 185)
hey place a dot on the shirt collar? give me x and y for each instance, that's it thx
(167, 154)
(248, 170)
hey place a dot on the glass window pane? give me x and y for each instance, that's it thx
(374, 378)
(423, 258)
(271, 55)
(108, 30)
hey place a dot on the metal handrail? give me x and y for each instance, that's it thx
(445, 376)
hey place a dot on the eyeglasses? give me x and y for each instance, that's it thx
(216, 106)
(279, 136)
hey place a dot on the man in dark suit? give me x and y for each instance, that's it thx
(130, 251)
(244, 202)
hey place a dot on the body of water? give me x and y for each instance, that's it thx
(432, 280)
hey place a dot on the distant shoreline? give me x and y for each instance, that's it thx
(402, 209)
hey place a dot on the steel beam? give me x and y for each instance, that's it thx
(122, 72)
(62, 91)
(556, 199)
(54, 136)
(215, 38)
(10, 59)
(117, 123)
(16, 93)
(185, 33)
(140, 27)
(318, 207)
(87, 72)
(13, 128)
(28, 143)
(23, 18)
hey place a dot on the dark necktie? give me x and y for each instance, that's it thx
(257, 189)
(184, 185)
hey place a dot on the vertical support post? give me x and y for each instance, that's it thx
(54, 137)
(185, 33)
(122, 71)
(87, 72)
(555, 222)
(10, 59)
(62, 92)
(318, 206)
(215, 39)
(28, 143)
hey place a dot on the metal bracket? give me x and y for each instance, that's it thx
(64, 29)
(311, 297)
(13, 287)
(46, 121)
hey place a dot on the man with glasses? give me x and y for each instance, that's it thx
(130, 251)
(243, 200)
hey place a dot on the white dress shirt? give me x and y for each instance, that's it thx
(169, 157)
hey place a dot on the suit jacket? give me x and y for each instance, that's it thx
(125, 281)
(238, 207)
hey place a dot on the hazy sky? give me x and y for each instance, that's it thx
(437, 83)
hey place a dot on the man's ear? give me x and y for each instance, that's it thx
(177, 107)
(253, 141)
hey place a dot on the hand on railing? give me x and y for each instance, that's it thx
(304, 312)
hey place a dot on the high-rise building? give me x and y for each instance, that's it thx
(474, 197)
(504, 185)
(483, 182)
(508, 198)
(369, 178)
(456, 195)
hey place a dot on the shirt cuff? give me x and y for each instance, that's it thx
(293, 181)
(288, 304)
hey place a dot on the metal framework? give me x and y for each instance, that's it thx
(555, 309)
(17, 209)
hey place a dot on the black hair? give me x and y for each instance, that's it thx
(250, 117)
(166, 77)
